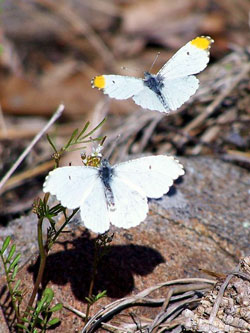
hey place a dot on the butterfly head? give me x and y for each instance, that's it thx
(153, 82)
(147, 75)
(105, 163)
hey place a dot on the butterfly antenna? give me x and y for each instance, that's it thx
(158, 53)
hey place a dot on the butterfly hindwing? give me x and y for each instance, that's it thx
(178, 91)
(131, 206)
(148, 99)
(94, 209)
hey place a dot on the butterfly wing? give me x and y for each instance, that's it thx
(176, 75)
(131, 205)
(78, 186)
(178, 91)
(134, 181)
(151, 176)
(192, 58)
(71, 184)
(148, 99)
(118, 86)
(94, 209)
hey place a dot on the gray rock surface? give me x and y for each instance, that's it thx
(216, 194)
(212, 193)
(203, 222)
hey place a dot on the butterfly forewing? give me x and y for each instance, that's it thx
(188, 60)
(120, 87)
(152, 175)
(71, 185)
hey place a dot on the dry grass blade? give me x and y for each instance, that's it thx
(219, 297)
(211, 108)
(55, 116)
(126, 134)
(149, 131)
(23, 176)
(179, 287)
(3, 126)
(169, 312)
(237, 156)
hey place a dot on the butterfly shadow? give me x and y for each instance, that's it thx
(114, 272)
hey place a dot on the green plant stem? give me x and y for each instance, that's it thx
(43, 250)
(96, 259)
(45, 323)
(62, 227)
(89, 304)
(10, 289)
(43, 256)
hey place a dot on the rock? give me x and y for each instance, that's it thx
(203, 222)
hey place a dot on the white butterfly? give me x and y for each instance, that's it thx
(113, 194)
(170, 87)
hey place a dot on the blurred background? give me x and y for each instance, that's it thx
(51, 49)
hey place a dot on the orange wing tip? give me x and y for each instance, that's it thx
(203, 42)
(98, 82)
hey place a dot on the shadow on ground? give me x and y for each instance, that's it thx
(115, 270)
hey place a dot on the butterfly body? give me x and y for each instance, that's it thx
(170, 87)
(156, 84)
(106, 172)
